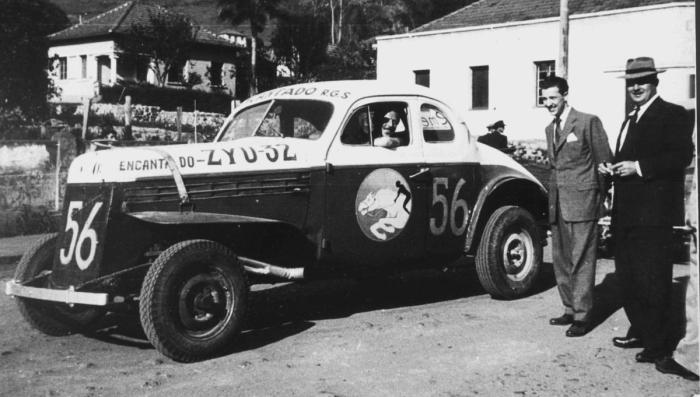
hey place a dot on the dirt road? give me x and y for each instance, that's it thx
(422, 334)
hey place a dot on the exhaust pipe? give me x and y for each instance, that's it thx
(266, 269)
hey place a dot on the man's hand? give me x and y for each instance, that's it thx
(605, 168)
(624, 168)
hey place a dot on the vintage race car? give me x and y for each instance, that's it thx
(317, 180)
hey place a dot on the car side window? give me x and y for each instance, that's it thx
(381, 124)
(436, 127)
(357, 129)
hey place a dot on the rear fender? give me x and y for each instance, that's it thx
(506, 190)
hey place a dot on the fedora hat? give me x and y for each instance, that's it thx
(641, 67)
(497, 124)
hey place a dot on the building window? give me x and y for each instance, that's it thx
(215, 74)
(543, 70)
(83, 66)
(691, 91)
(480, 87)
(422, 77)
(175, 74)
(62, 68)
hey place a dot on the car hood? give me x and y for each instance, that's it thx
(242, 155)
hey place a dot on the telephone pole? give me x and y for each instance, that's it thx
(563, 63)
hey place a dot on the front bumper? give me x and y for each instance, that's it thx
(69, 296)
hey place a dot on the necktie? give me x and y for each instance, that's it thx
(557, 129)
(631, 126)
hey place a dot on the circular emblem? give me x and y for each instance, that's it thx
(383, 204)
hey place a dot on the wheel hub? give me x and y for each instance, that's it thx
(516, 258)
(203, 303)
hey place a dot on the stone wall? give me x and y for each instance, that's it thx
(30, 187)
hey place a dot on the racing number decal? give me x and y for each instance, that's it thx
(449, 210)
(80, 237)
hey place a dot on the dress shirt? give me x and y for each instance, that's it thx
(623, 134)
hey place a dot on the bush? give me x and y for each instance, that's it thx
(530, 153)
(168, 98)
(35, 220)
(14, 124)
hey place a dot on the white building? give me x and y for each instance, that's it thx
(488, 58)
(88, 56)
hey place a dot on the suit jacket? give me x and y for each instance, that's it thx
(574, 183)
(662, 143)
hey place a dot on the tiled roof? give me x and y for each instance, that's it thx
(118, 21)
(488, 12)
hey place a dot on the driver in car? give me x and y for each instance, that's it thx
(394, 131)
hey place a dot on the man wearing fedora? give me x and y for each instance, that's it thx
(652, 150)
(495, 137)
(577, 144)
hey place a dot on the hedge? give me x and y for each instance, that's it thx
(168, 98)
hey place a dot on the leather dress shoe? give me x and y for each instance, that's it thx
(625, 342)
(578, 328)
(668, 365)
(565, 319)
(645, 357)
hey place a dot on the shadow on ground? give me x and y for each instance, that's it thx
(607, 301)
(278, 311)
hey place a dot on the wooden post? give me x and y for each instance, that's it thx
(128, 135)
(86, 113)
(58, 174)
(195, 121)
(253, 62)
(563, 64)
(178, 123)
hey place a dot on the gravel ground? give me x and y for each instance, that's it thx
(420, 334)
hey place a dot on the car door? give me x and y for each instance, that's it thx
(454, 178)
(376, 197)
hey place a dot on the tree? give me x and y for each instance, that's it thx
(300, 38)
(166, 38)
(24, 26)
(256, 13)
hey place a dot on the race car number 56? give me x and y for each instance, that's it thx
(80, 236)
(440, 200)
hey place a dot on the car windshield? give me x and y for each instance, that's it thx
(304, 119)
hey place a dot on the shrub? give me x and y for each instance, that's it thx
(35, 220)
(14, 124)
(168, 98)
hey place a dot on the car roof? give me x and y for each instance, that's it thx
(341, 91)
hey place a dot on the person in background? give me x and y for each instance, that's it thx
(496, 137)
(652, 151)
(577, 144)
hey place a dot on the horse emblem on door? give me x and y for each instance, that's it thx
(383, 204)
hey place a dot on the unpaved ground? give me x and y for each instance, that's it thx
(422, 334)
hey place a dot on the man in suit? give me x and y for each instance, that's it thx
(495, 137)
(577, 144)
(652, 151)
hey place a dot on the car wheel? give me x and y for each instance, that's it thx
(193, 300)
(56, 319)
(509, 255)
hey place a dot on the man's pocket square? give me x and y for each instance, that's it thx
(571, 138)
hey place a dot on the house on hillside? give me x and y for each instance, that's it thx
(489, 58)
(88, 56)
